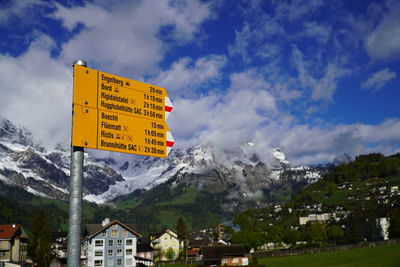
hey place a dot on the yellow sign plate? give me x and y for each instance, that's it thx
(130, 102)
(122, 133)
(118, 114)
(105, 130)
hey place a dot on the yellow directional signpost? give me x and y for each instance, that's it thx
(115, 114)
(118, 114)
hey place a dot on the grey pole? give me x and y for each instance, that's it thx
(75, 201)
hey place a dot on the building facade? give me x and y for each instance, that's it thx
(224, 255)
(164, 242)
(112, 244)
(13, 243)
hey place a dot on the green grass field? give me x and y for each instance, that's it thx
(382, 256)
(376, 256)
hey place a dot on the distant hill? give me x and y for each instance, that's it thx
(202, 185)
(358, 193)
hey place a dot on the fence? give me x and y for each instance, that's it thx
(289, 252)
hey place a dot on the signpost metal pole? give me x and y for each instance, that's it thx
(75, 201)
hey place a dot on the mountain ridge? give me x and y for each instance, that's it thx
(46, 173)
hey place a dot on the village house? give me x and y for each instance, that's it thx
(165, 240)
(60, 242)
(145, 252)
(58, 262)
(110, 244)
(324, 217)
(13, 244)
(221, 255)
(193, 251)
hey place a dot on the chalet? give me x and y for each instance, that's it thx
(145, 252)
(165, 240)
(221, 255)
(58, 262)
(324, 217)
(110, 244)
(13, 243)
(193, 251)
(60, 242)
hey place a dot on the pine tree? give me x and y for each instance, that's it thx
(181, 229)
(41, 240)
(182, 234)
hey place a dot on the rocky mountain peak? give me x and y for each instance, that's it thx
(237, 172)
(15, 135)
(279, 158)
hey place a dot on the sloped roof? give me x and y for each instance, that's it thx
(217, 252)
(60, 260)
(196, 243)
(144, 247)
(92, 230)
(10, 231)
(169, 231)
(191, 252)
(60, 234)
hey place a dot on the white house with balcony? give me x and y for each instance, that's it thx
(111, 243)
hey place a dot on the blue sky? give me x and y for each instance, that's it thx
(316, 78)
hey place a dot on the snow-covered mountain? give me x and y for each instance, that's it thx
(46, 173)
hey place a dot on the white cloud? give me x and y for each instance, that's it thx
(242, 41)
(256, 33)
(185, 75)
(322, 87)
(384, 41)
(124, 38)
(37, 93)
(378, 79)
(305, 144)
(296, 9)
(249, 112)
(191, 117)
(226, 120)
(121, 38)
(16, 9)
(320, 32)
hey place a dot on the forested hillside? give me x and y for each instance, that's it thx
(357, 193)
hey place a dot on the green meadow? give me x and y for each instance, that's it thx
(380, 256)
(388, 255)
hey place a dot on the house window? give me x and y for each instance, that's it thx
(129, 242)
(98, 263)
(119, 252)
(119, 242)
(124, 232)
(98, 243)
(104, 233)
(119, 261)
(110, 252)
(224, 261)
(128, 251)
(115, 226)
(111, 242)
(114, 233)
(129, 262)
(235, 260)
(98, 253)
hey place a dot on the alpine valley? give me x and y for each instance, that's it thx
(200, 184)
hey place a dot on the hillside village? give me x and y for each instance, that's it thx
(113, 243)
(331, 212)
